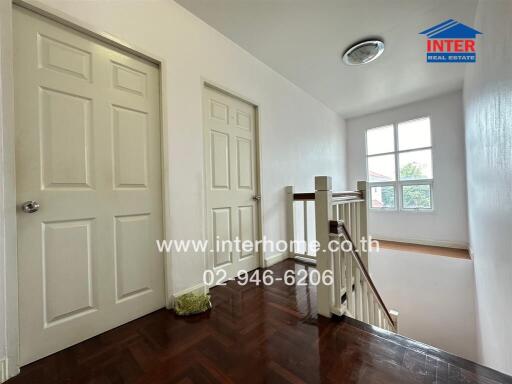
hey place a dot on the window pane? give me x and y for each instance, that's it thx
(383, 197)
(416, 196)
(380, 140)
(416, 165)
(381, 168)
(414, 134)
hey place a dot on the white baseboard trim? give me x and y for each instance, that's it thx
(433, 243)
(3, 370)
(274, 259)
(198, 289)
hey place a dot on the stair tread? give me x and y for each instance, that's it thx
(432, 354)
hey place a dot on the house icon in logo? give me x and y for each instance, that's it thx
(451, 42)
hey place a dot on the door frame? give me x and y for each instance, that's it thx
(11, 365)
(205, 83)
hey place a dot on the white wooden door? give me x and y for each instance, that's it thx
(231, 179)
(88, 151)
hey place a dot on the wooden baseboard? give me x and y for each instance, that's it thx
(432, 243)
(3, 370)
(425, 249)
(274, 259)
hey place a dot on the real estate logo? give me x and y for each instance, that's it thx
(451, 42)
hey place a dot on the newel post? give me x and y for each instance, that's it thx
(323, 214)
(290, 221)
(362, 186)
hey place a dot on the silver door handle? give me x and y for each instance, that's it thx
(30, 206)
(256, 197)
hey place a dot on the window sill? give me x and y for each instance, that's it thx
(408, 211)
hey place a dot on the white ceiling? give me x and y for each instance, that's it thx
(304, 39)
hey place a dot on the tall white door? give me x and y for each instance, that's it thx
(231, 179)
(88, 152)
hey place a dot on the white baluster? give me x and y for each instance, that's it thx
(306, 227)
(353, 222)
(348, 217)
(344, 257)
(394, 315)
(290, 220)
(349, 277)
(358, 295)
(371, 308)
(365, 302)
(336, 212)
(363, 223)
(337, 279)
(357, 229)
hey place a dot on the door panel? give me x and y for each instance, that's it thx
(219, 147)
(130, 135)
(231, 180)
(58, 238)
(128, 79)
(88, 150)
(243, 120)
(133, 275)
(221, 228)
(64, 58)
(244, 163)
(218, 110)
(247, 229)
(65, 140)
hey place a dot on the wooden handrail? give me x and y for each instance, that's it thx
(357, 194)
(338, 200)
(337, 228)
(335, 195)
(304, 196)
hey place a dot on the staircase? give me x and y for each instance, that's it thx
(342, 252)
(371, 348)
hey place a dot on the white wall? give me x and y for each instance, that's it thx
(300, 137)
(488, 111)
(434, 295)
(447, 224)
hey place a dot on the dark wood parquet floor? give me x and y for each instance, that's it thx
(254, 334)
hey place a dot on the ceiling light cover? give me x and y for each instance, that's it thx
(364, 52)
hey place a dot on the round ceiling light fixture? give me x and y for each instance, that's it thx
(363, 52)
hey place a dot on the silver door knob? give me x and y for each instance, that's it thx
(30, 206)
(256, 197)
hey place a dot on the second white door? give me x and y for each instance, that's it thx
(231, 180)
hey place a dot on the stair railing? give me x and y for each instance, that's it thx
(355, 293)
(351, 290)
(348, 206)
(299, 206)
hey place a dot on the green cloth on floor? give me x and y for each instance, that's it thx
(190, 304)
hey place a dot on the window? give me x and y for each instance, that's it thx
(399, 165)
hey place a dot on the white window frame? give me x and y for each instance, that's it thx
(399, 184)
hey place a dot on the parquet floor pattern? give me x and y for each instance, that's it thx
(254, 334)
